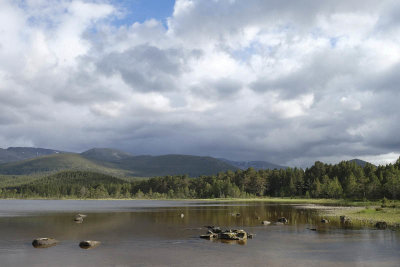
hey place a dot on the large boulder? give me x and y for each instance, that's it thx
(44, 242)
(87, 244)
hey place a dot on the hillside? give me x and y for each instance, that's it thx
(257, 165)
(118, 163)
(105, 154)
(57, 162)
(84, 184)
(85, 178)
(13, 154)
(149, 166)
(193, 166)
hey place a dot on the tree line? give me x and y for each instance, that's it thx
(343, 180)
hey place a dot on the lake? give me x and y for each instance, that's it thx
(153, 233)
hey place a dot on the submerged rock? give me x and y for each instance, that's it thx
(44, 242)
(381, 225)
(87, 244)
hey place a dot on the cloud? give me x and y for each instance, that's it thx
(290, 82)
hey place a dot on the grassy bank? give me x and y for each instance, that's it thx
(369, 215)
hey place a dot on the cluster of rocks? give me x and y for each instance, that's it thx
(229, 234)
(46, 242)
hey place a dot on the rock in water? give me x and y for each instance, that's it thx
(265, 222)
(79, 218)
(324, 221)
(182, 215)
(283, 220)
(87, 244)
(44, 242)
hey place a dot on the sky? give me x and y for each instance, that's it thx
(290, 82)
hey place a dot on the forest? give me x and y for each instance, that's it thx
(343, 180)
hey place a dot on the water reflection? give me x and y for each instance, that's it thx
(157, 235)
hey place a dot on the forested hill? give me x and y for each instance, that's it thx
(57, 162)
(257, 165)
(344, 180)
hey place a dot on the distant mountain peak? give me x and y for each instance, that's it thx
(360, 162)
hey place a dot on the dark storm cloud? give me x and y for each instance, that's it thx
(315, 75)
(145, 68)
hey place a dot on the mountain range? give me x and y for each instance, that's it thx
(28, 160)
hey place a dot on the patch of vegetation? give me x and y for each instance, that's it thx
(345, 182)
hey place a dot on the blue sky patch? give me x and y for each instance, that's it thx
(142, 10)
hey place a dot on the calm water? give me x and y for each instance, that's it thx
(152, 233)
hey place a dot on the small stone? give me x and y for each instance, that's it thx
(44, 242)
(283, 220)
(87, 244)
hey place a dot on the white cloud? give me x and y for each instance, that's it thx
(289, 81)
